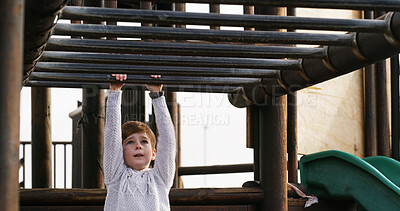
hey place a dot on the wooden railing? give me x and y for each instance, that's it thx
(23, 160)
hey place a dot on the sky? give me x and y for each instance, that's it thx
(213, 132)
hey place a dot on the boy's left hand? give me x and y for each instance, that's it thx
(155, 87)
(115, 86)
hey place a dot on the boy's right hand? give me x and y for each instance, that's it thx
(117, 86)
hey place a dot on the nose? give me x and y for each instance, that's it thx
(138, 146)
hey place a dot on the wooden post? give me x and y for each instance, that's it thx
(292, 137)
(370, 148)
(252, 137)
(394, 71)
(173, 110)
(292, 125)
(382, 113)
(93, 137)
(76, 116)
(41, 137)
(181, 7)
(215, 8)
(273, 163)
(382, 110)
(11, 63)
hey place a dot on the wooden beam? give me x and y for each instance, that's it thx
(273, 161)
(11, 65)
(41, 137)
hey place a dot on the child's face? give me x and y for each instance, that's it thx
(137, 151)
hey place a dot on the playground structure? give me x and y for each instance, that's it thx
(258, 68)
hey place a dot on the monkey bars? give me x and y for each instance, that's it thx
(183, 18)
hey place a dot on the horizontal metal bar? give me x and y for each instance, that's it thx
(63, 67)
(383, 5)
(137, 59)
(201, 34)
(140, 79)
(188, 49)
(217, 169)
(99, 85)
(183, 18)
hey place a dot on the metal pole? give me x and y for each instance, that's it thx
(382, 127)
(292, 126)
(162, 60)
(11, 61)
(215, 19)
(41, 137)
(186, 49)
(95, 30)
(149, 70)
(273, 162)
(93, 113)
(177, 88)
(382, 112)
(139, 79)
(394, 71)
(370, 143)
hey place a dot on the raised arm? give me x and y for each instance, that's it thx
(166, 142)
(113, 156)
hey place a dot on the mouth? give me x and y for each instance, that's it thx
(138, 155)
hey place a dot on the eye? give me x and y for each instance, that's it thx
(129, 142)
(145, 142)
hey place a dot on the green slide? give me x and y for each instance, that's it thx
(372, 182)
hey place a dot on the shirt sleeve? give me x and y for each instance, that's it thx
(113, 158)
(166, 142)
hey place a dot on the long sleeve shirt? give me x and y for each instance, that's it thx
(128, 189)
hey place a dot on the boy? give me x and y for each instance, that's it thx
(131, 185)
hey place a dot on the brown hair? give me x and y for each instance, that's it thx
(131, 127)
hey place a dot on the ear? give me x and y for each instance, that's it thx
(153, 155)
